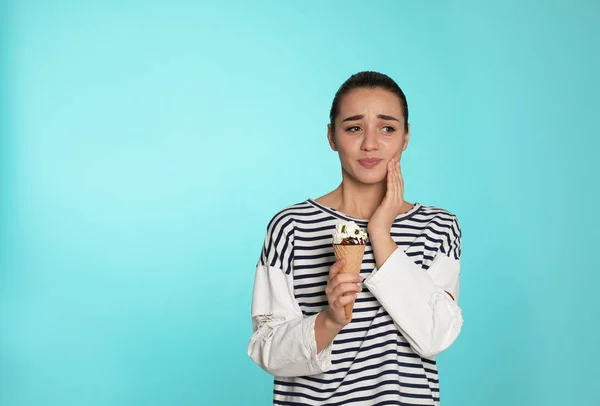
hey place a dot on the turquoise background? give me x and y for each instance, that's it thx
(146, 144)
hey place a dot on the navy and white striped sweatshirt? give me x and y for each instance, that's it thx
(401, 319)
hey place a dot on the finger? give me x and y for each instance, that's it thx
(351, 289)
(336, 268)
(344, 300)
(394, 187)
(341, 279)
(344, 288)
(397, 182)
(400, 187)
(399, 170)
(352, 305)
(401, 181)
(341, 288)
(390, 181)
(345, 278)
(339, 303)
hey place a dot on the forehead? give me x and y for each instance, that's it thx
(365, 101)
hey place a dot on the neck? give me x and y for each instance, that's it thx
(359, 199)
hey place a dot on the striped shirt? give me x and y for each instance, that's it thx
(371, 361)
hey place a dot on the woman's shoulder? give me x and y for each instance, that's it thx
(443, 225)
(437, 212)
(286, 215)
(444, 219)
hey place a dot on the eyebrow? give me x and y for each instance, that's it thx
(361, 116)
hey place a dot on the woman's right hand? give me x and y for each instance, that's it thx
(337, 285)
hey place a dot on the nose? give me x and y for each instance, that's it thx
(370, 140)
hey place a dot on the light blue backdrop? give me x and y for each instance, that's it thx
(146, 144)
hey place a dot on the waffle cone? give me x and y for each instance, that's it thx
(353, 254)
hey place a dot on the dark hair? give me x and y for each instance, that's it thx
(370, 80)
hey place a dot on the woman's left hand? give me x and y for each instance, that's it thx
(382, 219)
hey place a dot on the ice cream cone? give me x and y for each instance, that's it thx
(353, 254)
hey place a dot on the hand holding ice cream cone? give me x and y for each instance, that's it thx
(349, 243)
(341, 290)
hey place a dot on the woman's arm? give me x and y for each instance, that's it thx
(341, 290)
(421, 303)
(325, 330)
(284, 342)
(383, 248)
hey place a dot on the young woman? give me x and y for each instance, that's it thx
(405, 300)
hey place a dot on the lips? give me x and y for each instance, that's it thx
(369, 162)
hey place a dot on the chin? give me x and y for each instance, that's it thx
(369, 176)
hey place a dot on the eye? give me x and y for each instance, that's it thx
(353, 129)
(388, 129)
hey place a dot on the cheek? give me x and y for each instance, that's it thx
(345, 158)
(395, 147)
(388, 149)
(346, 148)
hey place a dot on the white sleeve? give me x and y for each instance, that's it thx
(283, 341)
(415, 299)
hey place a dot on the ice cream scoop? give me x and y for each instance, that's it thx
(349, 233)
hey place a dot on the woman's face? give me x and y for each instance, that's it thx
(370, 124)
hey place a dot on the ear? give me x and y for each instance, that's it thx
(331, 138)
(406, 138)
